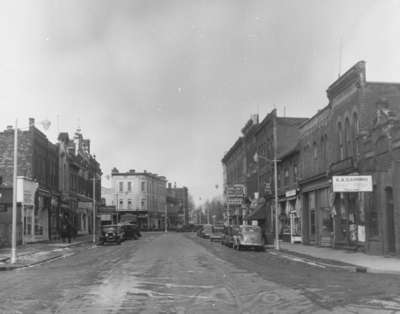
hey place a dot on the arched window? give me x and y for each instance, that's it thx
(340, 141)
(356, 130)
(347, 132)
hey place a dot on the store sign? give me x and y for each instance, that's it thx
(105, 217)
(290, 193)
(235, 194)
(26, 190)
(85, 205)
(352, 183)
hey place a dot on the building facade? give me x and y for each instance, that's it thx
(140, 193)
(37, 162)
(344, 139)
(177, 203)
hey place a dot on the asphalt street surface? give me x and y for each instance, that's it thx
(180, 273)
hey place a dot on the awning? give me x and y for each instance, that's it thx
(258, 214)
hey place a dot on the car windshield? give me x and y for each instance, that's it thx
(250, 229)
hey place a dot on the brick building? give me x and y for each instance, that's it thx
(38, 162)
(77, 169)
(287, 133)
(177, 202)
(234, 165)
(338, 140)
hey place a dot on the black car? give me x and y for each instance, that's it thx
(131, 231)
(111, 234)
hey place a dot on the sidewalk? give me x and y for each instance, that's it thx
(360, 261)
(39, 252)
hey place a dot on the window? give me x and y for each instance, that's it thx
(340, 141)
(143, 203)
(143, 186)
(129, 186)
(3, 208)
(129, 204)
(315, 150)
(355, 133)
(295, 171)
(347, 132)
(121, 186)
(286, 180)
(121, 203)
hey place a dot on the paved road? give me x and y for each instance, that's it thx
(179, 273)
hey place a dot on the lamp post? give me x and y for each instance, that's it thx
(275, 162)
(14, 205)
(94, 204)
(166, 218)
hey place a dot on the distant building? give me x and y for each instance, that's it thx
(77, 170)
(177, 202)
(142, 194)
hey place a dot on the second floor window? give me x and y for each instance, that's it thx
(129, 186)
(121, 203)
(143, 186)
(129, 204)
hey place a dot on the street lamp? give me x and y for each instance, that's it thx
(275, 161)
(94, 204)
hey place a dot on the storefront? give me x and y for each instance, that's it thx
(290, 217)
(84, 212)
(316, 215)
(348, 209)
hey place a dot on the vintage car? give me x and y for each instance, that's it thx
(130, 230)
(229, 232)
(248, 237)
(111, 234)
(217, 234)
(205, 231)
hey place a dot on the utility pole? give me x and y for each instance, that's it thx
(276, 182)
(14, 205)
(166, 218)
(94, 209)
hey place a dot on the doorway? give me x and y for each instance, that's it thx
(390, 229)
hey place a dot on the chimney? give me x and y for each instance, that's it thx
(131, 171)
(9, 127)
(31, 122)
(145, 171)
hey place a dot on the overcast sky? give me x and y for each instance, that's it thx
(166, 86)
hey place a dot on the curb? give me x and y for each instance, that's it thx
(19, 266)
(327, 262)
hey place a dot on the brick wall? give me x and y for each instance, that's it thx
(7, 155)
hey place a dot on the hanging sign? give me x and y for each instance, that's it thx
(352, 183)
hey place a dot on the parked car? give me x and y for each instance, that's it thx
(111, 233)
(217, 234)
(229, 232)
(205, 231)
(131, 231)
(248, 237)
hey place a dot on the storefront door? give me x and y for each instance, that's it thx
(312, 217)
